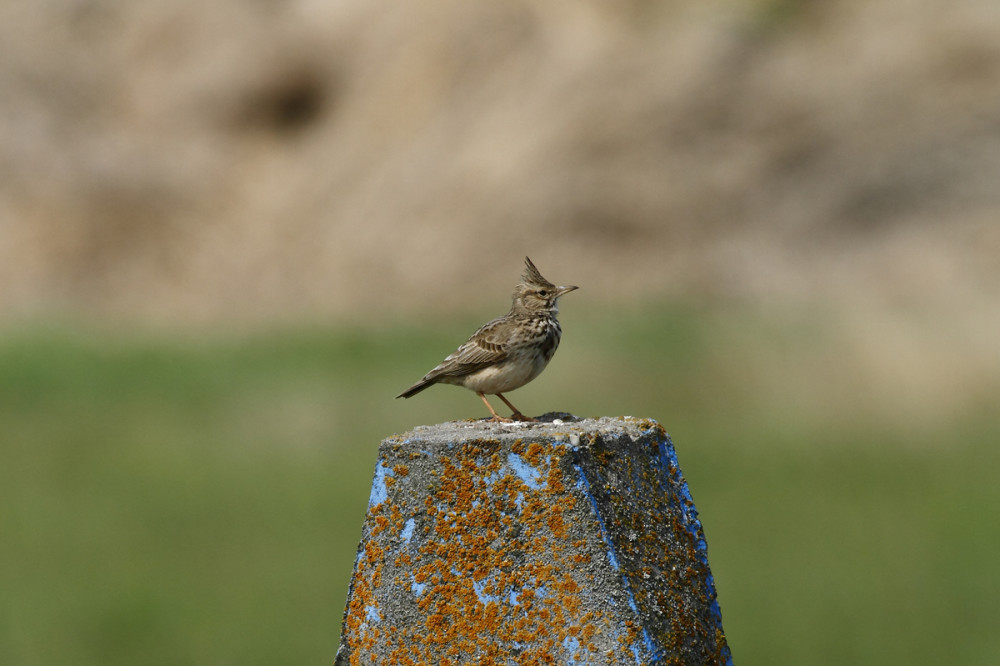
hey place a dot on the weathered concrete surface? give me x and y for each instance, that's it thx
(569, 542)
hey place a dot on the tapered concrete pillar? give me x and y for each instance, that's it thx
(567, 542)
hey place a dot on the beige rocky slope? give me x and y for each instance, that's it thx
(180, 161)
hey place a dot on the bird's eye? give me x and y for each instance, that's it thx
(543, 293)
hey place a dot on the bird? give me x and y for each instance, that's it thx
(508, 352)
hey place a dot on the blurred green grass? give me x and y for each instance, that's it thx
(199, 500)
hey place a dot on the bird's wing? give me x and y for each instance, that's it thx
(486, 347)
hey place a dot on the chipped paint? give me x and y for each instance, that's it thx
(573, 543)
(528, 474)
(379, 486)
(407, 533)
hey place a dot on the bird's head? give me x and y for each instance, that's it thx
(535, 294)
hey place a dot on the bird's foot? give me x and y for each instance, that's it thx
(496, 418)
(518, 416)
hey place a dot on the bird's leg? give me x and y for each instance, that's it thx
(517, 412)
(496, 417)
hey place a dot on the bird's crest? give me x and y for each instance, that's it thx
(532, 276)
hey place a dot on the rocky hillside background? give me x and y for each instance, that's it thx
(174, 161)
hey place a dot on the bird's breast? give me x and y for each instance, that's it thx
(524, 362)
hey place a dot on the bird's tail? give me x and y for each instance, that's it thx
(415, 389)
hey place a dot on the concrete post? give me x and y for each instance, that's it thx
(563, 542)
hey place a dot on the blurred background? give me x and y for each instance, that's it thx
(231, 232)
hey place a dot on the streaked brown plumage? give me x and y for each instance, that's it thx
(508, 352)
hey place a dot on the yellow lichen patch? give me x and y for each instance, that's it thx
(381, 522)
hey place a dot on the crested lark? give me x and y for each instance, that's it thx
(508, 352)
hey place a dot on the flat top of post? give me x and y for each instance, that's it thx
(554, 425)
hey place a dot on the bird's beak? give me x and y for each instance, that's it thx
(564, 290)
